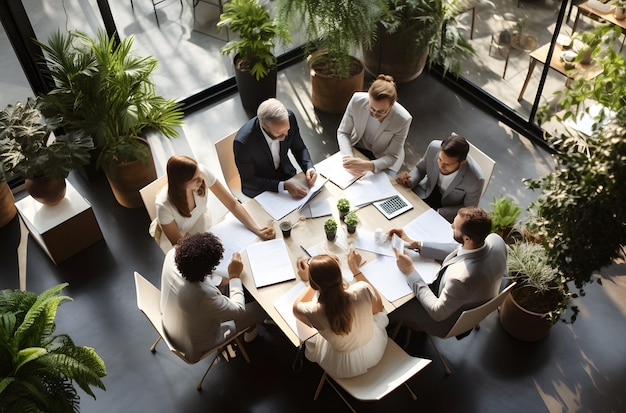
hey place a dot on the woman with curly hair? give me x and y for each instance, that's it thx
(350, 318)
(196, 315)
(377, 126)
(182, 206)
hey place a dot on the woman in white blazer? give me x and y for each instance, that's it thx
(377, 125)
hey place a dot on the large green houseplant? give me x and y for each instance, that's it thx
(254, 61)
(414, 32)
(39, 369)
(107, 91)
(582, 203)
(29, 148)
(333, 32)
(540, 296)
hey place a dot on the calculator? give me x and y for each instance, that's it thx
(394, 206)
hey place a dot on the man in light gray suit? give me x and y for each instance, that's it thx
(377, 125)
(196, 315)
(469, 276)
(446, 178)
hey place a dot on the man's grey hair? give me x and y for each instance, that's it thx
(272, 110)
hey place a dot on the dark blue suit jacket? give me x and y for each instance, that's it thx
(254, 159)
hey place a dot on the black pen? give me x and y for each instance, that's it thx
(305, 251)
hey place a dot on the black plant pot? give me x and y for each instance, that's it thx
(330, 235)
(252, 91)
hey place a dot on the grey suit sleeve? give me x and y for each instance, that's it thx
(437, 250)
(420, 170)
(224, 308)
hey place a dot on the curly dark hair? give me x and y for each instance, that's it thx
(197, 255)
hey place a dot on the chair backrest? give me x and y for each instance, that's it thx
(485, 163)
(226, 156)
(472, 317)
(395, 368)
(149, 302)
(149, 192)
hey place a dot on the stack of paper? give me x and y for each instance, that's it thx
(280, 204)
(284, 306)
(270, 262)
(332, 168)
(235, 237)
(370, 188)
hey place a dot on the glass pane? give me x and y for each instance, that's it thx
(47, 17)
(183, 36)
(15, 87)
(505, 38)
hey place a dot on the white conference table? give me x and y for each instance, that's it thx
(310, 232)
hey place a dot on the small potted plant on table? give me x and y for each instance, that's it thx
(343, 205)
(351, 220)
(330, 227)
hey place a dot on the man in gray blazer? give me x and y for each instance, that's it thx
(446, 178)
(196, 315)
(470, 274)
(377, 125)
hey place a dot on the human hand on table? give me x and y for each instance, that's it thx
(311, 176)
(266, 233)
(354, 260)
(357, 166)
(295, 190)
(404, 262)
(235, 267)
(302, 266)
(403, 178)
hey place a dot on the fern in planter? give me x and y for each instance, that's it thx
(258, 35)
(337, 27)
(38, 370)
(504, 215)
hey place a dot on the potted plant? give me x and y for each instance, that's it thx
(540, 296)
(330, 227)
(414, 32)
(255, 64)
(582, 203)
(29, 148)
(343, 205)
(7, 201)
(351, 220)
(504, 214)
(620, 9)
(334, 30)
(106, 91)
(39, 370)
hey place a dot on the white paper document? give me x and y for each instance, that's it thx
(317, 208)
(284, 306)
(430, 226)
(338, 249)
(270, 262)
(332, 168)
(385, 275)
(366, 240)
(235, 237)
(370, 188)
(279, 204)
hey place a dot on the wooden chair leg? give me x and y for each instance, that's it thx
(413, 396)
(244, 353)
(199, 386)
(340, 395)
(319, 386)
(153, 348)
(445, 365)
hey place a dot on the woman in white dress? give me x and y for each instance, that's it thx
(350, 318)
(181, 206)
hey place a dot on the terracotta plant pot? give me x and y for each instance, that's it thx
(46, 190)
(7, 204)
(522, 324)
(129, 177)
(620, 13)
(330, 94)
(395, 54)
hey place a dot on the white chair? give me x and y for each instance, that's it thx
(149, 302)
(393, 370)
(148, 195)
(468, 320)
(485, 163)
(226, 156)
(154, 4)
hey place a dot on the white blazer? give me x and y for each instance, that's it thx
(388, 145)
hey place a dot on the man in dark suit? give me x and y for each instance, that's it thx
(446, 178)
(261, 147)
